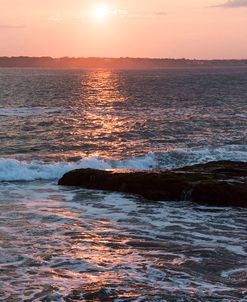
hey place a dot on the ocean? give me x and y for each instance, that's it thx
(72, 244)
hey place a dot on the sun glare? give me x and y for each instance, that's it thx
(101, 12)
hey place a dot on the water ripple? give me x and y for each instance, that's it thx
(73, 245)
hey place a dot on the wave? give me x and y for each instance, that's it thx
(15, 170)
(29, 111)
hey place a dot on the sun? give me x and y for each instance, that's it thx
(101, 12)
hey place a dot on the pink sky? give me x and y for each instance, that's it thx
(203, 29)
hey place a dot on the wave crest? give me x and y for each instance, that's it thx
(15, 170)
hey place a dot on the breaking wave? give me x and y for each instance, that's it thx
(16, 170)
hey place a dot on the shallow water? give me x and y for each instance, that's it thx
(59, 244)
(68, 244)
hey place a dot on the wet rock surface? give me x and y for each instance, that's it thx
(221, 183)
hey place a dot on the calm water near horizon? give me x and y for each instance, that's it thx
(70, 244)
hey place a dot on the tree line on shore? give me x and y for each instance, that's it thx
(121, 63)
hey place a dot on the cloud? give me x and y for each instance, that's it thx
(160, 14)
(56, 18)
(233, 4)
(126, 13)
(11, 26)
(139, 14)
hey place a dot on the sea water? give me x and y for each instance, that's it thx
(72, 244)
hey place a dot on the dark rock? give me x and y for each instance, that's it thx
(222, 183)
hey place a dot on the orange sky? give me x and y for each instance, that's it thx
(112, 28)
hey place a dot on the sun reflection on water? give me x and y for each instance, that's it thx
(92, 259)
(101, 116)
(85, 246)
(102, 86)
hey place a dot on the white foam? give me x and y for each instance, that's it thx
(226, 274)
(15, 170)
(185, 157)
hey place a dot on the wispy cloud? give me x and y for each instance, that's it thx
(138, 14)
(121, 13)
(11, 26)
(233, 4)
(56, 18)
(161, 14)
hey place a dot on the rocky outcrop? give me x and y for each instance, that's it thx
(222, 183)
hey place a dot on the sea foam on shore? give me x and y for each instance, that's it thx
(24, 170)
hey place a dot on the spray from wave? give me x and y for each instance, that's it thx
(15, 170)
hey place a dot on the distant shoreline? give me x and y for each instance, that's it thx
(115, 63)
